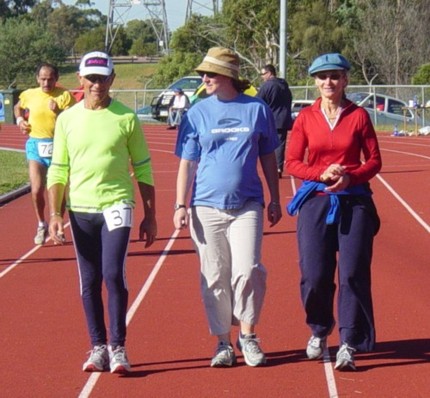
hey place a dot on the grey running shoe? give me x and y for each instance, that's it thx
(41, 234)
(224, 356)
(316, 346)
(252, 353)
(118, 360)
(345, 358)
(98, 360)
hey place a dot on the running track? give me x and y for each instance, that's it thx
(44, 341)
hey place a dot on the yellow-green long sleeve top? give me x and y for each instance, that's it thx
(93, 150)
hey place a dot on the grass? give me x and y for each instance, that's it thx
(128, 76)
(13, 171)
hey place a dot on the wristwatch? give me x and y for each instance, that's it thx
(177, 206)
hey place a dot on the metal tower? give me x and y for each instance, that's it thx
(116, 14)
(158, 18)
(214, 7)
(118, 9)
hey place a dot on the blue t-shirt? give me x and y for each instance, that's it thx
(227, 138)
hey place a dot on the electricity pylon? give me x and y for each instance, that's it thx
(212, 5)
(158, 18)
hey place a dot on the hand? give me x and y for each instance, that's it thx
(274, 213)
(341, 184)
(25, 127)
(56, 230)
(148, 228)
(53, 106)
(181, 218)
(332, 173)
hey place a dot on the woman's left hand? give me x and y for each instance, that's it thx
(341, 184)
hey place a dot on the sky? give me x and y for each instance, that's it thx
(175, 10)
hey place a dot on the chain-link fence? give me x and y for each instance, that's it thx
(401, 112)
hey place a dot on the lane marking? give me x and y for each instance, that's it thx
(26, 255)
(407, 153)
(404, 203)
(92, 380)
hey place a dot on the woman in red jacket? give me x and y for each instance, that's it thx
(334, 149)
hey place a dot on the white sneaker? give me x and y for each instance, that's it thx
(41, 234)
(98, 360)
(118, 360)
(224, 356)
(252, 353)
(316, 346)
(345, 358)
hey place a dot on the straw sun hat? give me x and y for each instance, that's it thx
(222, 61)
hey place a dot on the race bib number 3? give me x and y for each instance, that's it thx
(118, 216)
(45, 149)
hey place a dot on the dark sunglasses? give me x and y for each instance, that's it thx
(331, 76)
(210, 75)
(263, 73)
(97, 78)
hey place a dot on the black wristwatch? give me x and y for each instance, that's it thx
(177, 206)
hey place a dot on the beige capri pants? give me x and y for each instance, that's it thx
(233, 281)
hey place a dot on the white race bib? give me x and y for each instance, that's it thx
(45, 149)
(118, 216)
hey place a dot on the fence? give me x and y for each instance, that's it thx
(137, 99)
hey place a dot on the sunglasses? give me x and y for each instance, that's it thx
(331, 76)
(97, 78)
(210, 75)
(263, 73)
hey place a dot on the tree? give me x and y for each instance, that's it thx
(252, 30)
(143, 37)
(394, 38)
(14, 8)
(26, 44)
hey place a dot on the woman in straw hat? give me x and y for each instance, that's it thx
(220, 141)
(334, 149)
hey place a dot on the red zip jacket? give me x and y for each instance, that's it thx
(352, 143)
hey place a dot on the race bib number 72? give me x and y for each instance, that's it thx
(118, 216)
(45, 149)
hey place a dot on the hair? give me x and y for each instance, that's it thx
(241, 85)
(50, 66)
(270, 68)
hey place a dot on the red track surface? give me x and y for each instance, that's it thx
(44, 341)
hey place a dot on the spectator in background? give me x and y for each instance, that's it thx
(276, 93)
(43, 104)
(178, 105)
(95, 142)
(220, 142)
(334, 148)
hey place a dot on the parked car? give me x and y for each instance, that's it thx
(383, 109)
(297, 106)
(160, 103)
(144, 113)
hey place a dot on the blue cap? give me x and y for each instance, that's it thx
(333, 61)
(177, 90)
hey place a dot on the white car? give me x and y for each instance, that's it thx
(160, 103)
(383, 109)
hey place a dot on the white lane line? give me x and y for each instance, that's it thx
(92, 380)
(329, 375)
(25, 256)
(404, 203)
(406, 153)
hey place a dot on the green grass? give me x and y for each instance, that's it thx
(13, 171)
(128, 76)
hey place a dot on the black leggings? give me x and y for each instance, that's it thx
(101, 255)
